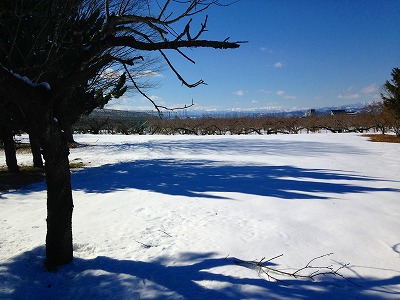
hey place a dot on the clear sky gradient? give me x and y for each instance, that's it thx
(300, 54)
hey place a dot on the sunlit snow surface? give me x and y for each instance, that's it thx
(165, 217)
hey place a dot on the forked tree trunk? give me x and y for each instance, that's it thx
(59, 248)
(36, 153)
(9, 149)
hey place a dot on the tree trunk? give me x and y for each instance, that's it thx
(59, 197)
(36, 153)
(9, 149)
(36, 104)
(69, 133)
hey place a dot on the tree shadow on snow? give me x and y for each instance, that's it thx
(194, 276)
(202, 178)
(233, 145)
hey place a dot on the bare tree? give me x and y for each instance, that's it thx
(52, 47)
(7, 136)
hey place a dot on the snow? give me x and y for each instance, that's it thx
(164, 217)
(27, 80)
(46, 85)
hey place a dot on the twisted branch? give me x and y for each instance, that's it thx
(156, 106)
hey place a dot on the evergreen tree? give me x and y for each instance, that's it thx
(391, 92)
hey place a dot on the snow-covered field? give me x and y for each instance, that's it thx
(165, 217)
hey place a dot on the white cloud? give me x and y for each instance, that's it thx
(370, 89)
(265, 49)
(158, 100)
(283, 95)
(133, 103)
(123, 103)
(154, 98)
(111, 74)
(147, 73)
(349, 94)
(254, 101)
(265, 91)
(278, 65)
(239, 93)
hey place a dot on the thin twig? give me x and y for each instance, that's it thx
(316, 270)
(144, 245)
(165, 232)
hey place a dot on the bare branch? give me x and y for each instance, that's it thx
(115, 21)
(203, 28)
(163, 9)
(185, 56)
(273, 273)
(156, 106)
(184, 82)
(122, 8)
(107, 8)
(141, 92)
(144, 245)
(130, 41)
(190, 11)
(176, 108)
(129, 61)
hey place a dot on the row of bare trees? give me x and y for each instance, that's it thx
(374, 118)
(380, 117)
(108, 125)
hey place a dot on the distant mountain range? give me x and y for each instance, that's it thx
(196, 113)
(193, 112)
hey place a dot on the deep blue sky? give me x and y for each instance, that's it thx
(300, 54)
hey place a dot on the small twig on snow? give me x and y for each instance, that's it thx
(273, 273)
(144, 245)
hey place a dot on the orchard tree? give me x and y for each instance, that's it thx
(7, 136)
(51, 49)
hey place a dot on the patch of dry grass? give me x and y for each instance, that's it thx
(26, 176)
(25, 148)
(383, 138)
(20, 148)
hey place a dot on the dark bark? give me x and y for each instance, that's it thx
(36, 152)
(36, 104)
(69, 133)
(9, 149)
(59, 197)
(129, 41)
